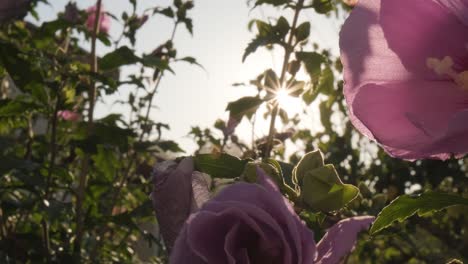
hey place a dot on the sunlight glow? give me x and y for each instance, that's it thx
(287, 102)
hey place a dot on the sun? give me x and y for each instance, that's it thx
(287, 102)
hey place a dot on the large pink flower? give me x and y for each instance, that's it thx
(254, 223)
(406, 75)
(104, 20)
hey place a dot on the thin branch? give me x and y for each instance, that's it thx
(85, 169)
(287, 55)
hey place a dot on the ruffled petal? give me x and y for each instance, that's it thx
(340, 239)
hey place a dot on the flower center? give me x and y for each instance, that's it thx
(445, 67)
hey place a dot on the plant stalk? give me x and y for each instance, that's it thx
(287, 54)
(85, 169)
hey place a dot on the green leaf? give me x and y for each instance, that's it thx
(220, 165)
(323, 190)
(287, 170)
(267, 35)
(19, 66)
(245, 106)
(302, 32)
(310, 95)
(106, 161)
(309, 161)
(272, 81)
(119, 57)
(191, 60)
(282, 27)
(312, 62)
(322, 6)
(166, 12)
(407, 205)
(326, 81)
(271, 2)
(169, 145)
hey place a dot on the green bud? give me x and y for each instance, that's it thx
(250, 171)
(309, 161)
(366, 193)
(322, 189)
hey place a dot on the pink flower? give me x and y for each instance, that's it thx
(69, 115)
(254, 223)
(104, 23)
(406, 75)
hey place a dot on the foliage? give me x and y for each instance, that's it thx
(78, 190)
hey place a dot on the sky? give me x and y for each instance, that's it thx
(197, 97)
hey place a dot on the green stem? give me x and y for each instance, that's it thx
(85, 169)
(287, 55)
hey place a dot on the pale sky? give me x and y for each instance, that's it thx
(193, 96)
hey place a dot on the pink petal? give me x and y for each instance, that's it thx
(419, 29)
(457, 7)
(104, 23)
(365, 53)
(340, 239)
(201, 183)
(409, 118)
(172, 197)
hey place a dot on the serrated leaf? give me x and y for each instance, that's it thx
(220, 165)
(267, 35)
(407, 205)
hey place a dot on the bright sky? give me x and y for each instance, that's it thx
(193, 96)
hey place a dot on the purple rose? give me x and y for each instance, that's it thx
(13, 9)
(254, 223)
(406, 75)
(178, 191)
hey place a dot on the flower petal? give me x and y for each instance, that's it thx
(340, 239)
(365, 53)
(457, 7)
(408, 117)
(247, 213)
(201, 183)
(172, 197)
(419, 29)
